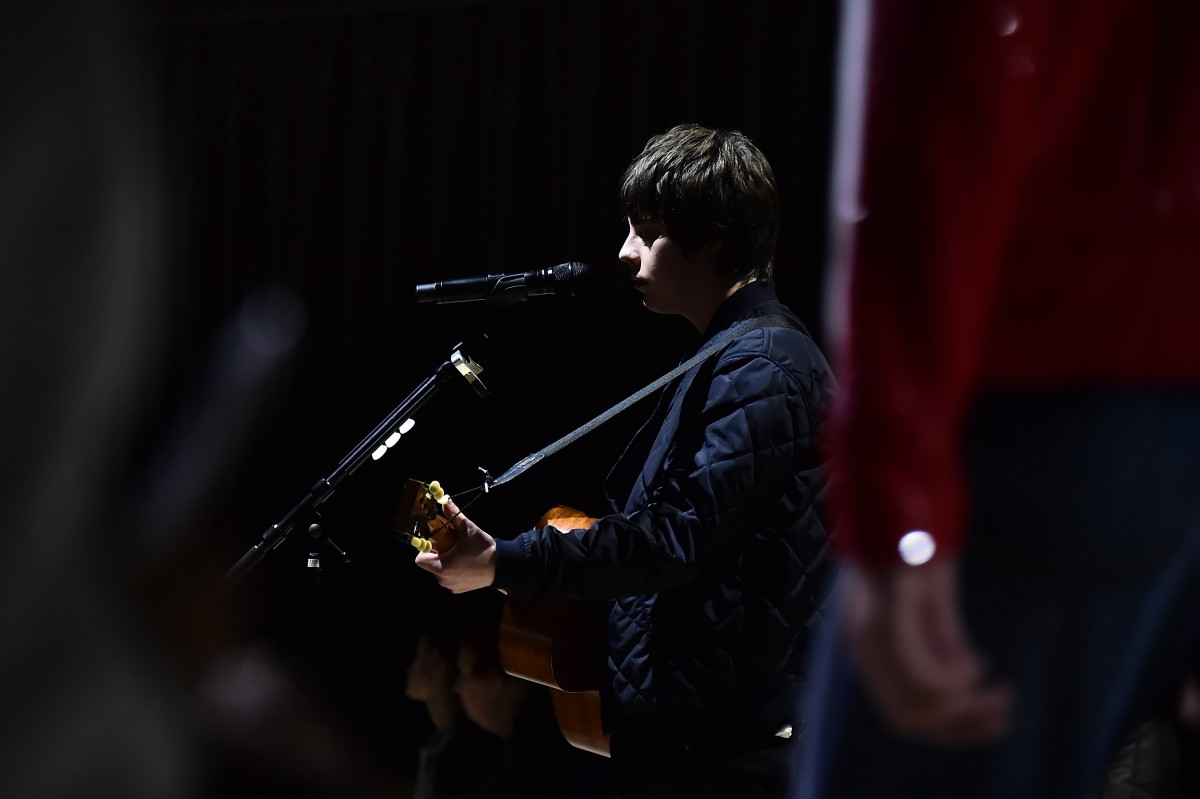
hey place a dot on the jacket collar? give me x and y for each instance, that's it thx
(740, 305)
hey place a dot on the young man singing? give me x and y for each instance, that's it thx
(714, 559)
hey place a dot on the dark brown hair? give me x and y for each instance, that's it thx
(705, 185)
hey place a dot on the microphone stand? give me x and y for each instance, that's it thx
(318, 536)
(385, 435)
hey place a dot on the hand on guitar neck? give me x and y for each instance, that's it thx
(468, 561)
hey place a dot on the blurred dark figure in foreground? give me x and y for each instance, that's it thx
(1015, 291)
(124, 673)
(87, 709)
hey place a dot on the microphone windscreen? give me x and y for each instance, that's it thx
(571, 276)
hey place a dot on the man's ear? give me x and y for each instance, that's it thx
(710, 253)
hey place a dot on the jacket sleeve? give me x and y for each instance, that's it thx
(729, 460)
(927, 206)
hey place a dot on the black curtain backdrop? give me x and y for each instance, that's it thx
(350, 151)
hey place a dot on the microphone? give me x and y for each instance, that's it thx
(561, 280)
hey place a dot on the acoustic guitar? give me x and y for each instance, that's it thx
(556, 643)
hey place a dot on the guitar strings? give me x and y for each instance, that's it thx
(472, 495)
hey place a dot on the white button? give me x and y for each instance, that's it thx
(917, 547)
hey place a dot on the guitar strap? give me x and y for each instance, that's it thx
(713, 347)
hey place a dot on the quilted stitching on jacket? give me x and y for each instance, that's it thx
(737, 632)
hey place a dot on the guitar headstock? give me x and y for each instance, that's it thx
(419, 517)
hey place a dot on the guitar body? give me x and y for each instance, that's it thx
(559, 644)
(556, 643)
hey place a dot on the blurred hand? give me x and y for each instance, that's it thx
(903, 630)
(470, 564)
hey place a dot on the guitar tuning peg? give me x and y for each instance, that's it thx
(437, 494)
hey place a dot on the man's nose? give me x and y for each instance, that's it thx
(628, 252)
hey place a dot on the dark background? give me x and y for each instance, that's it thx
(348, 151)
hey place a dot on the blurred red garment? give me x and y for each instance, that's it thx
(1023, 212)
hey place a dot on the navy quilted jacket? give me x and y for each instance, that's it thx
(716, 560)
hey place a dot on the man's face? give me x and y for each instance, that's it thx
(667, 279)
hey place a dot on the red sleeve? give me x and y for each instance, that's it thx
(923, 206)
